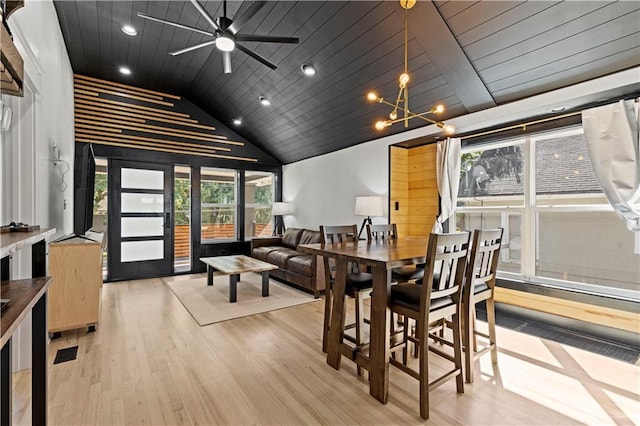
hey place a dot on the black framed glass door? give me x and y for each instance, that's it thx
(140, 220)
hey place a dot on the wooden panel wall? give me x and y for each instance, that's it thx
(413, 184)
(423, 189)
(399, 189)
(114, 114)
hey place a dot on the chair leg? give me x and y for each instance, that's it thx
(467, 335)
(359, 323)
(327, 318)
(457, 352)
(473, 324)
(423, 344)
(405, 339)
(491, 321)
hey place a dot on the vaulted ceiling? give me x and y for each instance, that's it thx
(467, 55)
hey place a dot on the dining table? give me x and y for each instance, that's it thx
(380, 257)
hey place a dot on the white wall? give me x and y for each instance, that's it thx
(31, 189)
(323, 189)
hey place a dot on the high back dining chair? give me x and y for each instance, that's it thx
(390, 232)
(438, 298)
(382, 232)
(359, 285)
(479, 286)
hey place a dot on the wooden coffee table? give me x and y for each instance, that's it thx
(234, 266)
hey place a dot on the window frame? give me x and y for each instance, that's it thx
(529, 216)
(235, 204)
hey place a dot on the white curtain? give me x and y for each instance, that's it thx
(613, 140)
(448, 174)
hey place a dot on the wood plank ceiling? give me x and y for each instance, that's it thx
(467, 55)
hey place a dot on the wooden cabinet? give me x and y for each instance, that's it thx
(74, 297)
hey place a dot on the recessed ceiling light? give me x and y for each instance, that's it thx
(129, 30)
(125, 71)
(237, 121)
(308, 69)
(264, 101)
(558, 109)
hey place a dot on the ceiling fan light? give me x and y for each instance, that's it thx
(225, 43)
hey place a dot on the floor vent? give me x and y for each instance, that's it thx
(66, 354)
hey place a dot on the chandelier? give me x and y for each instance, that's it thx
(402, 101)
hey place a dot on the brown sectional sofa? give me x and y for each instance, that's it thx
(304, 270)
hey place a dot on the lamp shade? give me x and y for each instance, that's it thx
(369, 206)
(281, 209)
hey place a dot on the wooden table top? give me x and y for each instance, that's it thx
(23, 294)
(391, 253)
(237, 264)
(13, 241)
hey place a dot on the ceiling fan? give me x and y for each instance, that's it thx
(226, 35)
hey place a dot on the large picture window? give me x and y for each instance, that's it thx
(218, 199)
(559, 228)
(258, 194)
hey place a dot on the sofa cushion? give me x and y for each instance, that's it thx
(280, 257)
(301, 265)
(291, 237)
(262, 252)
(310, 237)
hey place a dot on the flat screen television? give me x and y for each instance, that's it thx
(85, 175)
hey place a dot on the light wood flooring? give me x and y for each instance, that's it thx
(149, 363)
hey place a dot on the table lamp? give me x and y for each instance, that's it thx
(278, 210)
(370, 205)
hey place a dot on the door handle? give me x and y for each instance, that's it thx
(167, 220)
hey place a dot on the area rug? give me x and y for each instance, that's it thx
(210, 304)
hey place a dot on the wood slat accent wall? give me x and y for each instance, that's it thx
(414, 185)
(116, 114)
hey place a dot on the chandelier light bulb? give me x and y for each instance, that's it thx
(372, 96)
(449, 129)
(380, 125)
(404, 79)
(438, 109)
(393, 115)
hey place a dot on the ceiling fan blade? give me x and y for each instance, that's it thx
(266, 38)
(240, 19)
(226, 62)
(189, 49)
(255, 56)
(175, 24)
(206, 15)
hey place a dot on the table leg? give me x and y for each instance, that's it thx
(336, 329)
(379, 349)
(5, 265)
(5, 385)
(209, 275)
(39, 362)
(265, 283)
(39, 259)
(233, 287)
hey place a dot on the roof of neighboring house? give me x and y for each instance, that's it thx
(562, 167)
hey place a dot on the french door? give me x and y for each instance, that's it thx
(140, 220)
